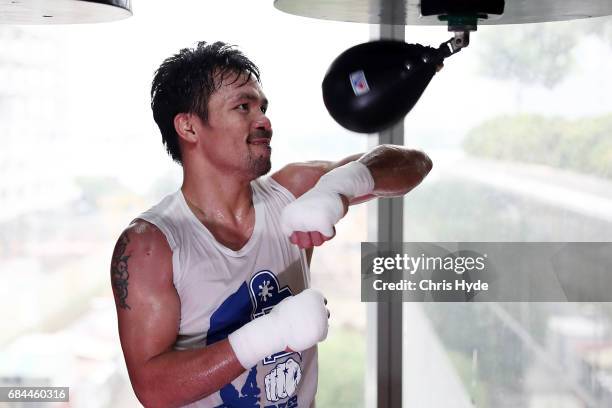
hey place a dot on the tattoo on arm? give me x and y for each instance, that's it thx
(119, 271)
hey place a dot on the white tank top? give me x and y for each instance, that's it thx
(221, 290)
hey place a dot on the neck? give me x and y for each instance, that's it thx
(218, 196)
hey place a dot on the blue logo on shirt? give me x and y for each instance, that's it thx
(250, 301)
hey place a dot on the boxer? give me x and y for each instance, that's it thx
(210, 284)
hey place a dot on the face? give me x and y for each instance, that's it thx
(236, 137)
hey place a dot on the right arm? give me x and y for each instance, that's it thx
(148, 312)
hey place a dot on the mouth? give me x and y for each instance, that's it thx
(260, 141)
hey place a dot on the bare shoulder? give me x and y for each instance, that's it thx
(144, 236)
(141, 255)
(141, 239)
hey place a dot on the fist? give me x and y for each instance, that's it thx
(283, 380)
(310, 219)
(306, 240)
(302, 319)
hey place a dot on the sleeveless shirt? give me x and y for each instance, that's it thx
(220, 290)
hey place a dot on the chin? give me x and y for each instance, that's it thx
(260, 166)
(266, 169)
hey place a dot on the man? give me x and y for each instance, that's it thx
(211, 284)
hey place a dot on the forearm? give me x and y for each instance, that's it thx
(385, 171)
(176, 378)
(395, 169)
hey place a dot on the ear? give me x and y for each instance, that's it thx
(184, 126)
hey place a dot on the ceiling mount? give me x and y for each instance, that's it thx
(461, 7)
(409, 12)
(63, 11)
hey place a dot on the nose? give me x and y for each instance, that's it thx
(263, 123)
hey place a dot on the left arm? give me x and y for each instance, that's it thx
(395, 170)
(391, 171)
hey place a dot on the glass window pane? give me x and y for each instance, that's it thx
(81, 157)
(518, 126)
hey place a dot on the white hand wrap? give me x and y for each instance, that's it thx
(298, 322)
(320, 208)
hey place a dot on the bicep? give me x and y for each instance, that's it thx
(148, 306)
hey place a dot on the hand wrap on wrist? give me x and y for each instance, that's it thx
(320, 208)
(298, 322)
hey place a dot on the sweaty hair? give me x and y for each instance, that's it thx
(184, 82)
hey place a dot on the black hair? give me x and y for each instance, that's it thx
(184, 82)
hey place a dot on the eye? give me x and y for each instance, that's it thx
(264, 108)
(243, 107)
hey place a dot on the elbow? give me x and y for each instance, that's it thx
(425, 163)
(420, 165)
(146, 395)
(154, 392)
(416, 159)
(149, 395)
